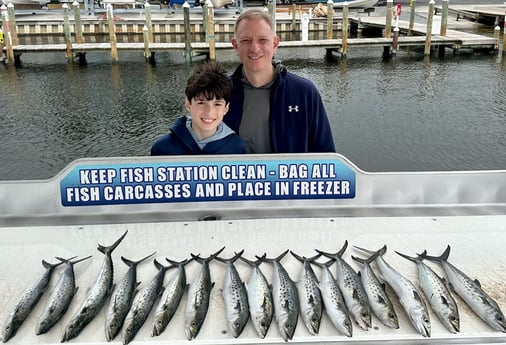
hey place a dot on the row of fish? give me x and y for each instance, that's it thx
(348, 298)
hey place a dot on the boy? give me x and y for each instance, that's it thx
(207, 101)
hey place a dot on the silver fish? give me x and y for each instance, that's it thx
(143, 303)
(121, 299)
(235, 297)
(28, 301)
(60, 297)
(96, 296)
(285, 296)
(171, 298)
(198, 297)
(333, 301)
(471, 292)
(352, 289)
(260, 301)
(409, 296)
(310, 298)
(435, 289)
(380, 303)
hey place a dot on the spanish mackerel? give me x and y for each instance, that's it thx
(198, 297)
(235, 297)
(97, 294)
(121, 298)
(310, 298)
(380, 303)
(143, 303)
(352, 289)
(285, 296)
(171, 297)
(409, 296)
(60, 297)
(28, 301)
(471, 292)
(261, 307)
(333, 301)
(435, 289)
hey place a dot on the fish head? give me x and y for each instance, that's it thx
(389, 319)
(262, 324)
(192, 326)
(10, 329)
(71, 331)
(498, 323)
(362, 315)
(42, 327)
(112, 328)
(312, 320)
(420, 320)
(287, 324)
(128, 331)
(236, 327)
(159, 325)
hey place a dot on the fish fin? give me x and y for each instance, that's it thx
(109, 249)
(285, 305)
(417, 296)
(477, 282)
(212, 285)
(381, 300)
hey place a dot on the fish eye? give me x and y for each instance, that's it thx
(288, 325)
(500, 318)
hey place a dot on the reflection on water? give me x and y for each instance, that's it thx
(409, 113)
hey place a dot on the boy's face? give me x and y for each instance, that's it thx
(206, 115)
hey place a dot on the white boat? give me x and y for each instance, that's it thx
(356, 3)
(26, 2)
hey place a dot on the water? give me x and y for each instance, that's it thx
(409, 113)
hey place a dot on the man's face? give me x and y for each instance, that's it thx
(256, 44)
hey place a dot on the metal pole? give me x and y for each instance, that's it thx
(430, 18)
(77, 23)
(112, 34)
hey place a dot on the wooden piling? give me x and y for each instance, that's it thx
(330, 19)
(7, 35)
(444, 18)
(344, 33)
(77, 23)
(294, 17)
(13, 28)
(388, 21)
(412, 5)
(187, 40)
(147, 10)
(68, 37)
(504, 32)
(112, 34)
(145, 36)
(395, 41)
(497, 33)
(430, 18)
(211, 38)
(204, 18)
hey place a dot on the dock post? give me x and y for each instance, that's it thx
(430, 18)
(412, 5)
(77, 23)
(12, 19)
(444, 18)
(330, 19)
(7, 35)
(187, 41)
(147, 11)
(204, 18)
(344, 33)
(294, 17)
(504, 32)
(497, 32)
(388, 21)
(145, 36)
(395, 42)
(112, 34)
(210, 31)
(68, 37)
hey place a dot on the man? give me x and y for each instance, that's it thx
(273, 110)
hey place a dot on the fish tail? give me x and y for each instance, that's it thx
(209, 258)
(368, 260)
(178, 263)
(379, 252)
(69, 261)
(410, 258)
(132, 263)
(161, 267)
(109, 249)
(443, 257)
(335, 255)
(303, 258)
(232, 259)
(252, 263)
(276, 259)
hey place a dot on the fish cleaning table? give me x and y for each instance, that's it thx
(407, 212)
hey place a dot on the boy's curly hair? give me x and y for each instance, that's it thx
(208, 80)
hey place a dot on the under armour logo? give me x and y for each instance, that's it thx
(293, 108)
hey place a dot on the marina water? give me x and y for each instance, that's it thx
(408, 113)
